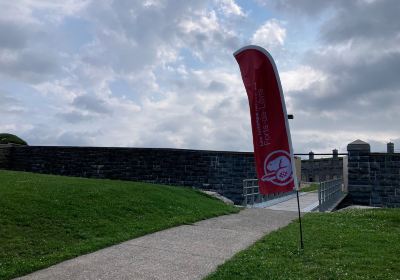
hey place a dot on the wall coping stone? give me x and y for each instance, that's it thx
(138, 148)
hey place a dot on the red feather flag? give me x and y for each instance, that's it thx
(273, 150)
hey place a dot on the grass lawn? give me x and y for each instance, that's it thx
(45, 219)
(356, 244)
(310, 188)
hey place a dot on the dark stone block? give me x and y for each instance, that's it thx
(353, 164)
(364, 165)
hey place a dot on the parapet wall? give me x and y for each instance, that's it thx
(323, 169)
(223, 172)
(373, 178)
(5, 151)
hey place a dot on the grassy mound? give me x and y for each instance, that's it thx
(356, 244)
(46, 219)
(6, 138)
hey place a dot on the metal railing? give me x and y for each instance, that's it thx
(250, 191)
(251, 194)
(329, 194)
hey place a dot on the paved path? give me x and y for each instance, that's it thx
(308, 202)
(184, 252)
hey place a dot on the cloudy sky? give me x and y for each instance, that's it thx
(160, 73)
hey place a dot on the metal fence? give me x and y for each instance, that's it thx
(329, 194)
(251, 194)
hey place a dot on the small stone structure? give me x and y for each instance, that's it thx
(322, 169)
(373, 178)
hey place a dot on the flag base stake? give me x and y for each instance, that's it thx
(301, 229)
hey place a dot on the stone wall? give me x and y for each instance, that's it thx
(321, 169)
(373, 178)
(4, 155)
(219, 171)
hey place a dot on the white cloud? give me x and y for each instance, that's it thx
(26, 11)
(270, 35)
(161, 73)
(206, 36)
(300, 78)
(230, 7)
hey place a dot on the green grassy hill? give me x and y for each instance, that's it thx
(45, 219)
(6, 138)
(353, 244)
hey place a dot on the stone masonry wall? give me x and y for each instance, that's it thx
(5, 156)
(373, 178)
(323, 169)
(219, 171)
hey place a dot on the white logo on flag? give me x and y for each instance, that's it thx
(278, 168)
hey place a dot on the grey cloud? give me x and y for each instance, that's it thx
(76, 138)
(9, 104)
(360, 92)
(379, 75)
(13, 35)
(24, 55)
(381, 146)
(91, 103)
(231, 138)
(210, 45)
(313, 143)
(358, 121)
(307, 7)
(221, 109)
(75, 117)
(172, 124)
(137, 41)
(378, 145)
(363, 20)
(346, 113)
(39, 135)
(149, 141)
(49, 135)
(130, 36)
(216, 86)
(6, 100)
(348, 85)
(31, 65)
(351, 19)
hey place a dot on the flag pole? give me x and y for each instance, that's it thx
(298, 208)
(297, 181)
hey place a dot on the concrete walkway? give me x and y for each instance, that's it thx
(308, 202)
(184, 252)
